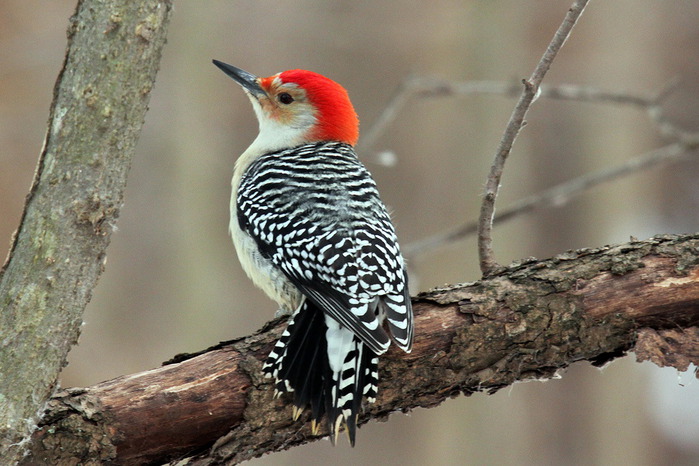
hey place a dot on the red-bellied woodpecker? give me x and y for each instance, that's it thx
(311, 231)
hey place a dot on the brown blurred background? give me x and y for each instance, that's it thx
(173, 283)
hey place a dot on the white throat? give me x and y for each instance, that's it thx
(275, 135)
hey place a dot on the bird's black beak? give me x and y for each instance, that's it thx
(242, 77)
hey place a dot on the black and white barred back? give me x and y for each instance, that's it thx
(315, 213)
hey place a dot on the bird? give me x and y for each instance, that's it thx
(311, 231)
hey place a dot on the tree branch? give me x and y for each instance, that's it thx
(682, 144)
(561, 194)
(531, 88)
(58, 253)
(430, 87)
(528, 321)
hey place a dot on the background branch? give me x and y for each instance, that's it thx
(536, 317)
(682, 147)
(58, 253)
(531, 87)
(561, 194)
(426, 87)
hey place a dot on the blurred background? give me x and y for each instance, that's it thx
(173, 283)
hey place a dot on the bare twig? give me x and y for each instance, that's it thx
(562, 193)
(666, 128)
(531, 87)
(432, 87)
(390, 111)
(683, 146)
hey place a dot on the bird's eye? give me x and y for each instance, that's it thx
(285, 98)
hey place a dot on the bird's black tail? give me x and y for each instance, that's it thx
(299, 363)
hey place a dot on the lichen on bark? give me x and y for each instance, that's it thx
(58, 252)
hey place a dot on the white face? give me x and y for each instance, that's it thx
(285, 115)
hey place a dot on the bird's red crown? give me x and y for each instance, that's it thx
(337, 120)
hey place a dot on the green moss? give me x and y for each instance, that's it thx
(44, 241)
(31, 296)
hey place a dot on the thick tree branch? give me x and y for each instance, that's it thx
(58, 253)
(531, 88)
(528, 321)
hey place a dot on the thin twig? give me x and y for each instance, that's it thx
(531, 87)
(684, 146)
(432, 87)
(561, 194)
(666, 128)
(390, 111)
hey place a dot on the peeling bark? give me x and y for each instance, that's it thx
(529, 321)
(676, 348)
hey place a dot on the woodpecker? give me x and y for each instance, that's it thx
(311, 231)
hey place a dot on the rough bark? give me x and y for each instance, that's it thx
(58, 253)
(528, 321)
